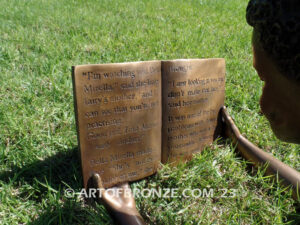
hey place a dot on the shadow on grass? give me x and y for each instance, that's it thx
(64, 166)
(55, 173)
(294, 218)
(72, 212)
(44, 182)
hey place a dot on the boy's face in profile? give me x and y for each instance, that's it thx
(280, 101)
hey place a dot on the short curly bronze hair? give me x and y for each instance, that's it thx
(278, 24)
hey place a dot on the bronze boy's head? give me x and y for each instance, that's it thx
(276, 57)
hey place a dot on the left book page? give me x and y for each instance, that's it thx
(118, 118)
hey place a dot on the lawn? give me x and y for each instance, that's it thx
(39, 42)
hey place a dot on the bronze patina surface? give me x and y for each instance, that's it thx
(193, 93)
(131, 115)
(286, 174)
(119, 202)
(118, 115)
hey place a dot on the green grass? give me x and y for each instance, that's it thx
(41, 40)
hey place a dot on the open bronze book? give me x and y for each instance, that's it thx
(133, 116)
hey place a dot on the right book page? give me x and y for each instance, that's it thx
(193, 91)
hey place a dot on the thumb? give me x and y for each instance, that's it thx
(98, 183)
